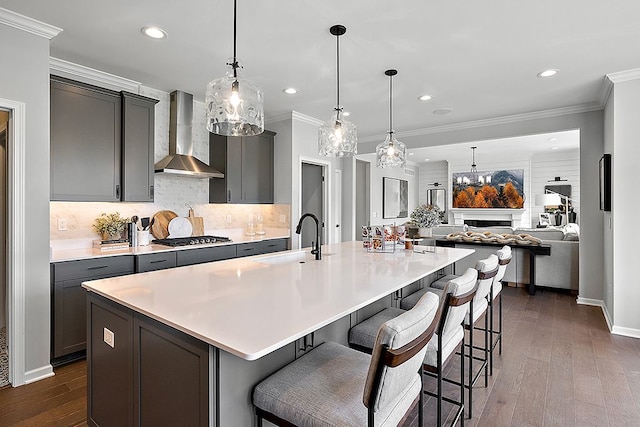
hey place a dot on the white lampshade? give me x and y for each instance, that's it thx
(548, 200)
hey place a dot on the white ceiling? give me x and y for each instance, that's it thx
(479, 58)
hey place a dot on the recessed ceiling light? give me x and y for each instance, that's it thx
(154, 32)
(548, 73)
(346, 113)
(554, 148)
(411, 154)
(425, 98)
(441, 111)
(290, 90)
(426, 160)
(552, 139)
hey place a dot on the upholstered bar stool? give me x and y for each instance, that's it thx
(457, 300)
(325, 386)
(504, 258)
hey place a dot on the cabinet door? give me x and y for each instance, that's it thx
(257, 168)
(85, 142)
(69, 317)
(138, 132)
(225, 155)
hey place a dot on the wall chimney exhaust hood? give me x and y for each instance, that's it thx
(180, 160)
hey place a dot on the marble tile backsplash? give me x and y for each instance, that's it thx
(171, 192)
(81, 215)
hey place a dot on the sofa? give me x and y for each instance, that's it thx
(559, 270)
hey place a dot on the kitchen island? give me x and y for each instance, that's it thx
(212, 331)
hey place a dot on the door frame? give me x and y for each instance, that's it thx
(327, 171)
(15, 247)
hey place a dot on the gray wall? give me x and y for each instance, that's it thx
(591, 149)
(24, 77)
(625, 203)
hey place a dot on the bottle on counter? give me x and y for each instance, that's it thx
(259, 225)
(251, 231)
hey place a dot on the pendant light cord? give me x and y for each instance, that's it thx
(390, 104)
(338, 72)
(235, 59)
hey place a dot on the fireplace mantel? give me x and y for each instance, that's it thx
(513, 215)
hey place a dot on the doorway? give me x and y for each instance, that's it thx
(312, 201)
(362, 196)
(4, 353)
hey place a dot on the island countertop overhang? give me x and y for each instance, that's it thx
(252, 306)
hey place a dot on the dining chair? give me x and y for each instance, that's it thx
(339, 386)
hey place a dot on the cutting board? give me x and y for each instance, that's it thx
(197, 223)
(160, 223)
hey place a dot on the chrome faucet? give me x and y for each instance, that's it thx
(317, 249)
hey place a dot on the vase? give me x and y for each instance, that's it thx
(107, 236)
(424, 231)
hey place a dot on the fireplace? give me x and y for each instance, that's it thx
(488, 222)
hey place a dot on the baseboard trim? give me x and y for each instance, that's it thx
(38, 374)
(627, 332)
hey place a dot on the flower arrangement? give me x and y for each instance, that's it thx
(426, 216)
(110, 225)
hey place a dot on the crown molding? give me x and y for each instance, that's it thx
(27, 24)
(306, 119)
(277, 117)
(624, 76)
(575, 109)
(605, 92)
(92, 76)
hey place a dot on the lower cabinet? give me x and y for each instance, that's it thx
(202, 255)
(142, 372)
(261, 247)
(68, 300)
(155, 261)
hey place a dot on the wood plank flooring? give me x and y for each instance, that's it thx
(560, 366)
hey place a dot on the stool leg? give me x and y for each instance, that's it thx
(500, 323)
(461, 383)
(471, 360)
(486, 349)
(421, 401)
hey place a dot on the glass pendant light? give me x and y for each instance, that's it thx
(391, 153)
(235, 105)
(337, 137)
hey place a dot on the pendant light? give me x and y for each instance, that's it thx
(337, 137)
(391, 153)
(235, 105)
(474, 169)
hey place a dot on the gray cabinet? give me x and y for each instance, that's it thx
(261, 247)
(102, 143)
(150, 374)
(68, 329)
(202, 255)
(138, 130)
(155, 261)
(247, 163)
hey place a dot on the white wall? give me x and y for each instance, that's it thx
(625, 205)
(432, 172)
(609, 134)
(24, 77)
(591, 149)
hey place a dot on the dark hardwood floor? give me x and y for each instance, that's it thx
(560, 366)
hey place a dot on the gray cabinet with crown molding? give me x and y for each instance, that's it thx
(247, 164)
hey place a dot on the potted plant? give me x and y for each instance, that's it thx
(110, 226)
(426, 216)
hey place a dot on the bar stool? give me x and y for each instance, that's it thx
(504, 258)
(325, 386)
(457, 301)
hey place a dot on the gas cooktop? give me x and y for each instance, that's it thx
(193, 240)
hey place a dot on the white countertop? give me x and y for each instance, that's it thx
(252, 306)
(84, 250)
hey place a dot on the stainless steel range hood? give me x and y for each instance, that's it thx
(180, 160)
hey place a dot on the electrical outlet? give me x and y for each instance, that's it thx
(375, 214)
(62, 224)
(283, 218)
(109, 338)
(229, 219)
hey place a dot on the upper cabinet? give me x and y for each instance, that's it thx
(102, 144)
(247, 164)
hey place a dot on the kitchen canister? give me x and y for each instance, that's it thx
(143, 237)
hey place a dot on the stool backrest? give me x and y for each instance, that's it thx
(487, 270)
(504, 258)
(454, 315)
(398, 352)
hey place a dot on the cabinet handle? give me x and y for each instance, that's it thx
(98, 267)
(228, 195)
(271, 246)
(151, 190)
(117, 191)
(248, 249)
(157, 261)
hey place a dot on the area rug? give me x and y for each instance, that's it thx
(4, 359)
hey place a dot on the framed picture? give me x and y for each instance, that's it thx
(605, 182)
(395, 198)
(544, 219)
